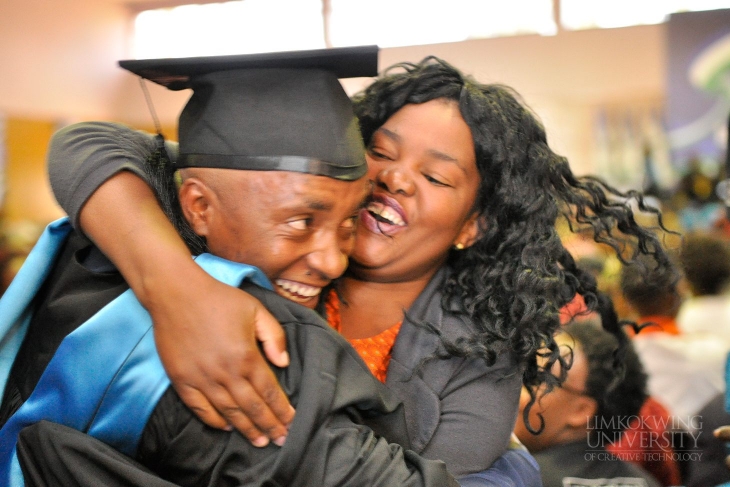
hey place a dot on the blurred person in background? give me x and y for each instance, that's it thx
(705, 261)
(586, 413)
(685, 371)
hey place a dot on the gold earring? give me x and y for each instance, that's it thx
(459, 246)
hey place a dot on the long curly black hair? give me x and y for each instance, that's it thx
(513, 281)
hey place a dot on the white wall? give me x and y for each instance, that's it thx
(58, 61)
(564, 78)
(58, 58)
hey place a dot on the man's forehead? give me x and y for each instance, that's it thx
(318, 192)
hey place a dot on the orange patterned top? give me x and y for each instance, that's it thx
(375, 350)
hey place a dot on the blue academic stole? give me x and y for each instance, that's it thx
(106, 377)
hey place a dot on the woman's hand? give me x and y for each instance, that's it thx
(206, 332)
(207, 340)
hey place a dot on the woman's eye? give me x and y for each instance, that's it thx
(377, 154)
(435, 181)
(301, 224)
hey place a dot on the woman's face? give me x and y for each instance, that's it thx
(426, 180)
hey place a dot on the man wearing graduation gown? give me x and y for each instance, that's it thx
(78, 350)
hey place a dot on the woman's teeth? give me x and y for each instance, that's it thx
(297, 291)
(385, 213)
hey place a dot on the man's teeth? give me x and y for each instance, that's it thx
(386, 213)
(298, 289)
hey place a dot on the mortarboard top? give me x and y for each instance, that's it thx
(281, 111)
(175, 73)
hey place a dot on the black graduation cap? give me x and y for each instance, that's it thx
(281, 111)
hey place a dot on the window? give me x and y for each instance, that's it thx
(247, 26)
(590, 14)
(389, 23)
(236, 27)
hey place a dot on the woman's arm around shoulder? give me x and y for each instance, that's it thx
(212, 358)
(82, 156)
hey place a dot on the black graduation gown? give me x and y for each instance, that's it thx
(338, 437)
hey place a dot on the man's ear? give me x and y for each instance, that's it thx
(470, 232)
(195, 202)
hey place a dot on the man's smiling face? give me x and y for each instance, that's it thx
(298, 228)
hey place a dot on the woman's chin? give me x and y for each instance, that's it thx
(368, 258)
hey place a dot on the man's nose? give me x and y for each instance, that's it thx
(329, 259)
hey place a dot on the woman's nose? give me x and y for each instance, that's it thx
(395, 180)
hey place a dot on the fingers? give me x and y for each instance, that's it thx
(202, 408)
(224, 413)
(255, 403)
(272, 337)
(722, 433)
(244, 394)
(265, 403)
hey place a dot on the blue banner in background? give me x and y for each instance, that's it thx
(698, 86)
